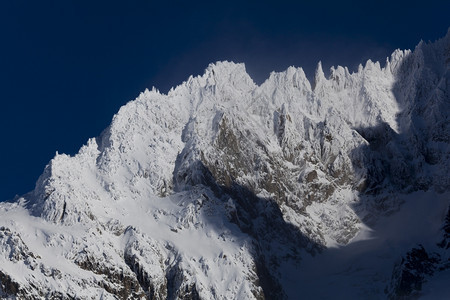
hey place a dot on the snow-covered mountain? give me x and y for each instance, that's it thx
(223, 189)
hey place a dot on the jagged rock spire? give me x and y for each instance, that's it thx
(319, 76)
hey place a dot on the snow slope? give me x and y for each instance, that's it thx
(223, 189)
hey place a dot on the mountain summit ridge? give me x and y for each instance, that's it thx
(221, 188)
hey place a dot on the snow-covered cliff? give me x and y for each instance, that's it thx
(223, 189)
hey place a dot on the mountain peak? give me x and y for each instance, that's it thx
(227, 72)
(225, 68)
(221, 187)
(319, 76)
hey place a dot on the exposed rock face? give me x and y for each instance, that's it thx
(411, 272)
(204, 193)
(419, 265)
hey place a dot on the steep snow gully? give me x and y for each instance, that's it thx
(223, 189)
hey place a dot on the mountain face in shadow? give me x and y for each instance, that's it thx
(223, 189)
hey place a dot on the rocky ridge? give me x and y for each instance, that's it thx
(208, 190)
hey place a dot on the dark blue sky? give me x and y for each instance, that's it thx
(67, 66)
